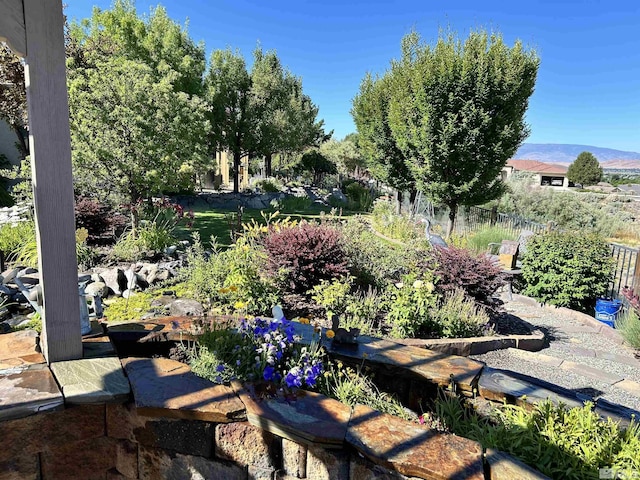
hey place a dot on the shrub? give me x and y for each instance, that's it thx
(269, 185)
(560, 442)
(373, 261)
(304, 255)
(359, 196)
(474, 274)
(129, 309)
(629, 326)
(390, 224)
(567, 269)
(292, 204)
(237, 274)
(92, 215)
(458, 316)
(409, 304)
(12, 235)
(351, 387)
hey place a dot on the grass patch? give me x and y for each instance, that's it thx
(219, 223)
(479, 241)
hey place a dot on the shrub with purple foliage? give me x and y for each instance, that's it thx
(476, 275)
(304, 255)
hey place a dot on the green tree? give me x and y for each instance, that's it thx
(134, 136)
(585, 170)
(138, 127)
(385, 160)
(345, 154)
(457, 113)
(317, 164)
(233, 123)
(13, 97)
(259, 112)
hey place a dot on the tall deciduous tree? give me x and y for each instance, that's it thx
(134, 136)
(13, 97)
(345, 154)
(138, 127)
(259, 112)
(385, 160)
(457, 112)
(233, 123)
(585, 170)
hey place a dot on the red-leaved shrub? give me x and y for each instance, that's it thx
(476, 275)
(101, 222)
(304, 255)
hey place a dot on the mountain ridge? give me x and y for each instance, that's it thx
(565, 154)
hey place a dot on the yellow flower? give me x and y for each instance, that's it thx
(81, 235)
(304, 320)
(330, 333)
(223, 290)
(430, 287)
(418, 284)
(233, 288)
(239, 305)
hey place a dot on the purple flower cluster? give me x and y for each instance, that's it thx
(276, 356)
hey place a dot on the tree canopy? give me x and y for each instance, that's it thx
(259, 112)
(385, 161)
(585, 170)
(454, 114)
(345, 154)
(13, 97)
(138, 127)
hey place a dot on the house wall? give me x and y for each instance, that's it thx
(220, 175)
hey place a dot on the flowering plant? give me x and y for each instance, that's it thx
(261, 349)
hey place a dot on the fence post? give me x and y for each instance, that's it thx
(635, 282)
(494, 215)
(550, 226)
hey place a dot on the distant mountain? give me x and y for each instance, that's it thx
(565, 154)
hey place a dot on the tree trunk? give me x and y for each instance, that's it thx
(453, 210)
(267, 165)
(236, 171)
(398, 202)
(413, 193)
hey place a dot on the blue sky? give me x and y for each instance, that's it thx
(588, 87)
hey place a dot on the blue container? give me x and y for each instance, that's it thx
(607, 310)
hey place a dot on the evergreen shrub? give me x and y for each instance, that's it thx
(567, 269)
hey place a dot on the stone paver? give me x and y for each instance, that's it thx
(503, 466)
(500, 384)
(587, 371)
(92, 380)
(18, 349)
(308, 417)
(438, 368)
(412, 449)
(629, 386)
(28, 390)
(536, 357)
(166, 388)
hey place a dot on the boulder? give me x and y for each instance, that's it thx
(97, 288)
(185, 307)
(9, 274)
(131, 279)
(96, 277)
(115, 280)
(35, 293)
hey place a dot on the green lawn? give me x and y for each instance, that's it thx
(216, 222)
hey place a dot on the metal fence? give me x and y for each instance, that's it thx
(625, 258)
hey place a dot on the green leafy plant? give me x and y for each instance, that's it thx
(409, 306)
(292, 204)
(479, 240)
(359, 196)
(458, 316)
(628, 324)
(567, 269)
(225, 277)
(12, 235)
(353, 387)
(269, 185)
(561, 442)
(129, 309)
(390, 224)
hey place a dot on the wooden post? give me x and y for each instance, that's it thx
(635, 285)
(50, 144)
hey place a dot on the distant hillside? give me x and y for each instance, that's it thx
(566, 154)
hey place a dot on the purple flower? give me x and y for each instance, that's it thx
(293, 378)
(174, 324)
(268, 373)
(220, 368)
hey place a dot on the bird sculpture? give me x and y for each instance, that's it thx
(434, 240)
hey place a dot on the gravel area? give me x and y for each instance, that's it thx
(572, 341)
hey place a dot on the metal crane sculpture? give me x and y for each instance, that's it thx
(434, 240)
